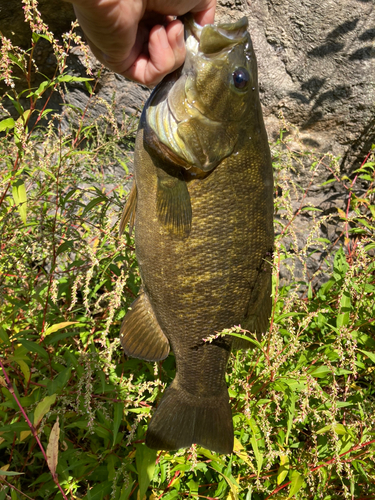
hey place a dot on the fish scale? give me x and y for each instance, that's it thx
(203, 238)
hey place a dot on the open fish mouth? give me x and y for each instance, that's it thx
(211, 39)
(174, 105)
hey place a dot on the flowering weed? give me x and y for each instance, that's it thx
(74, 410)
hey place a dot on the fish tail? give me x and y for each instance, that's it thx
(182, 419)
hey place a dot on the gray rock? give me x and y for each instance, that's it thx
(316, 66)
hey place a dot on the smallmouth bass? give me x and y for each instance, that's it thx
(202, 203)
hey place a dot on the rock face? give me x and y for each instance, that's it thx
(316, 64)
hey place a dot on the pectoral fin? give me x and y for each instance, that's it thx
(128, 214)
(173, 204)
(140, 333)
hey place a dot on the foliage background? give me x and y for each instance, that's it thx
(74, 409)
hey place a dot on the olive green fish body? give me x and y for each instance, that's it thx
(204, 239)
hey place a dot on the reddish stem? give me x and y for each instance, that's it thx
(16, 489)
(32, 428)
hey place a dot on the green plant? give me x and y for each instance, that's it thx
(74, 410)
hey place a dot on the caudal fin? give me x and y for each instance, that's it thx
(182, 419)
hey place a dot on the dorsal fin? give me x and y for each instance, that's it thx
(128, 214)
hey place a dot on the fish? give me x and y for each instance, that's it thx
(202, 208)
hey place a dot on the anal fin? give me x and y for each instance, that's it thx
(128, 214)
(173, 204)
(140, 334)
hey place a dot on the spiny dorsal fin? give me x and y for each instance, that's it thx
(128, 214)
(173, 205)
(140, 333)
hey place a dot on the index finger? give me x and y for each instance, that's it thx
(205, 15)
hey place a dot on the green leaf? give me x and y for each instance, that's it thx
(46, 171)
(42, 87)
(45, 112)
(193, 487)
(370, 355)
(328, 182)
(283, 469)
(245, 337)
(59, 382)
(53, 339)
(33, 347)
(6, 124)
(117, 419)
(20, 198)
(99, 490)
(42, 408)
(296, 483)
(89, 88)
(16, 104)
(311, 209)
(58, 326)
(288, 315)
(24, 369)
(123, 164)
(70, 78)
(338, 428)
(36, 37)
(254, 444)
(63, 247)
(93, 203)
(9, 473)
(340, 266)
(291, 402)
(343, 317)
(17, 61)
(15, 427)
(171, 495)
(101, 432)
(79, 424)
(4, 336)
(145, 460)
(320, 371)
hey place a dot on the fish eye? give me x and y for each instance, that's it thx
(241, 78)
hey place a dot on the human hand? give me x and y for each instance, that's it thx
(140, 39)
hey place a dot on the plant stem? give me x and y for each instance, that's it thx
(32, 428)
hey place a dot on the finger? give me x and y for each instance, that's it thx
(108, 29)
(166, 49)
(203, 10)
(206, 15)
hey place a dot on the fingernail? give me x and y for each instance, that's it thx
(180, 38)
(163, 40)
